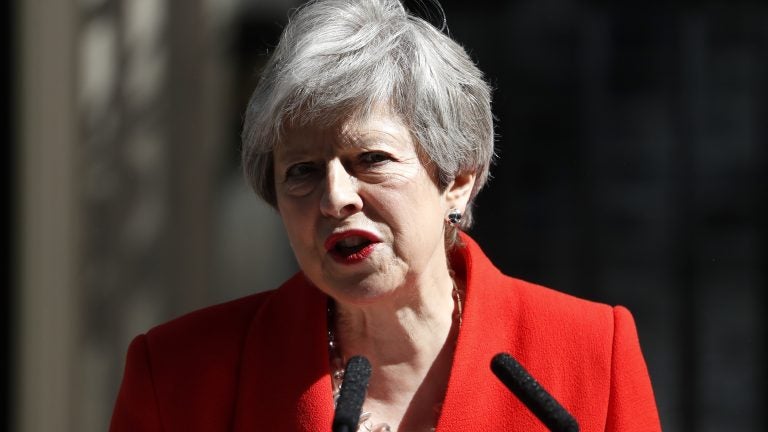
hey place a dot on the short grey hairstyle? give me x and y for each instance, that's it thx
(342, 59)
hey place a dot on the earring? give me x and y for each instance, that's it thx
(454, 216)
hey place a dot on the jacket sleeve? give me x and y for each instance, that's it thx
(136, 409)
(631, 406)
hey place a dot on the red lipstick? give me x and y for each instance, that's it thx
(352, 246)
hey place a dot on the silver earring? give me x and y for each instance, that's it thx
(454, 217)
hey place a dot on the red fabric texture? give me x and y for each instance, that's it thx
(260, 363)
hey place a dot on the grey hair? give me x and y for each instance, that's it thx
(341, 59)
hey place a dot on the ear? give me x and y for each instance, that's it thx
(458, 191)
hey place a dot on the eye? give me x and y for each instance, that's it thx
(300, 170)
(374, 158)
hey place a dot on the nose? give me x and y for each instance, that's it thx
(341, 196)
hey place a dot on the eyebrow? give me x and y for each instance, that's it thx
(288, 156)
(362, 137)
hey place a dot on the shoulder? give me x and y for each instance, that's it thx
(174, 368)
(537, 322)
(526, 303)
(199, 350)
(543, 320)
(571, 345)
(220, 323)
(220, 328)
(210, 339)
(555, 307)
(529, 299)
(186, 370)
(557, 312)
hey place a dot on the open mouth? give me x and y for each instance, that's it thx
(351, 246)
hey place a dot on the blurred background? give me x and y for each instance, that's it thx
(632, 170)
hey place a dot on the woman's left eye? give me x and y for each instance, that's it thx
(374, 158)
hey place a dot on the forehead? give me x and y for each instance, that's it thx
(378, 128)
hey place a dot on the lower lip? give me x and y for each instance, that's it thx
(354, 258)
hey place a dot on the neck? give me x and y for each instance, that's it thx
(408, 327)
(409, 341)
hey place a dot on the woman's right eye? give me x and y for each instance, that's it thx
(300, 170)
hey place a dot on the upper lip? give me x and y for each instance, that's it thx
(334, 238)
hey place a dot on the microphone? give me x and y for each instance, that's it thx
(532, 394)
(352, 395)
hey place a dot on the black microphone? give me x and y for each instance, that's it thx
(532, 394)
(352, 395)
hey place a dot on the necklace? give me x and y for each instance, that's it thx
(337, 361)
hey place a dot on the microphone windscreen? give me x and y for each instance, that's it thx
(352, 395)
(532, 394)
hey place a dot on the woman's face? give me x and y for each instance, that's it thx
(363, 215)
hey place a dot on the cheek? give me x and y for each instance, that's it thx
(415, 212)
(296, 220)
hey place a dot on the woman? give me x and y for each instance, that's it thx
(371, 133)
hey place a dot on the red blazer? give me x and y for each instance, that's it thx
(260, 363)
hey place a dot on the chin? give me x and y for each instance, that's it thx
(361, 292)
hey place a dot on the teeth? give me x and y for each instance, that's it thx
(352, 241)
